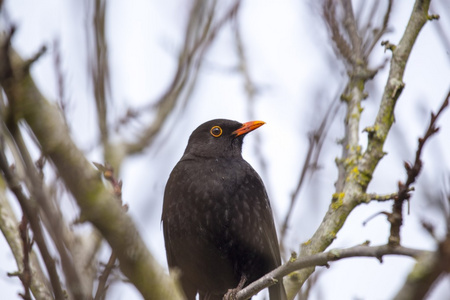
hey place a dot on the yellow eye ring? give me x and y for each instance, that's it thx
(216, 131)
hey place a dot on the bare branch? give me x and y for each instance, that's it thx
(26, 275)
(58, 68)
(393, 88)
(352, 30)
(10, 228)
(102, 287)
(378, 32)
(322, 259)
(381, 198)
(27, 207)
(99, 66)
(343, 49)
(358, 167)
(396, 217)
(78, 283)
(97, 205)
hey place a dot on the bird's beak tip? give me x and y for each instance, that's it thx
(248, 126)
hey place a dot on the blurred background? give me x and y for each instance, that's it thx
(261, 60)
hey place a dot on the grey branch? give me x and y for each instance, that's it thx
(322, 259)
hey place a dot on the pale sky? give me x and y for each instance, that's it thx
(287, 46)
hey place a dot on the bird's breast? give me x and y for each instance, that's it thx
(206, 196)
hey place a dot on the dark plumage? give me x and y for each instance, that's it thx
(217, 220)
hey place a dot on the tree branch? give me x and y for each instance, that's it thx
(396, 217)
(97, 205)
(379, 32)
(381, 198)
(425, 272)
(78, 283)
(27, 208)
(10, 229)
(358, 168)
(322, 259)
(99, 66)
(108, 174)
(394, 86)
(26, 275)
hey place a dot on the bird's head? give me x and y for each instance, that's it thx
(219, 138)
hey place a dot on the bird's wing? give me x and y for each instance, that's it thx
(253, 188)
(261, 205)
(165, 225)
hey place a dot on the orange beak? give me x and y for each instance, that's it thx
(247, 127)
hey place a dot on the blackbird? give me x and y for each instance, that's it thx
(217, 220)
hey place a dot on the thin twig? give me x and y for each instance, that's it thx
(9, 226)
(100, 69)
(315, 139)
(74, 279)
(381, 198)
(379, 32)
(27, 207)
(251, 90)
(102, 280)
(343, 48)
(351, 27)
(396, 217)
(26, 274)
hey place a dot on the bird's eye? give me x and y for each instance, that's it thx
(216, 131)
